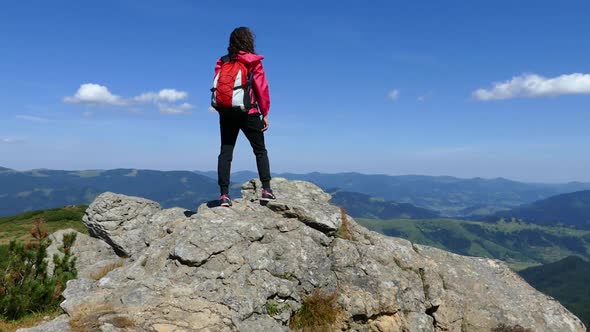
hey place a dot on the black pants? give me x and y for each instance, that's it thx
(230, 123)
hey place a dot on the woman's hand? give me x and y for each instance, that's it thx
(266, 123)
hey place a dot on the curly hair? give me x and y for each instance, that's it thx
(241, 39)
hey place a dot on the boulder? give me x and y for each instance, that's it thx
(129, 224)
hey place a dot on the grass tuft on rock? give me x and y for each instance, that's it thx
(319, 312)
(272, 307)
(508, 328)
(103, 271)
(88, 318)
(30, 320)
(344, 231)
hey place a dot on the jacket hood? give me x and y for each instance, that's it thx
(249, 57)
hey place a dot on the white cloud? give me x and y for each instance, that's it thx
(165, 99)
(169, 95)
(175, 109)
(393, 94)
(94, 94)
(31, 118)
(532, 85)
(8, 140)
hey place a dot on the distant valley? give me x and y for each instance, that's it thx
(519, 244)
(572, 209)
(365, 206)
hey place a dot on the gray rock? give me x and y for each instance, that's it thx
(123, 222)
(61, 323)
(91, 254)
(223, 268)
(298, 199)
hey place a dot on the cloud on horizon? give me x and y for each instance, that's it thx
(31, 118)
(532, 86)
(99, 95)
(9, 140)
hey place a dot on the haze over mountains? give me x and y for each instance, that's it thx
(448, 196)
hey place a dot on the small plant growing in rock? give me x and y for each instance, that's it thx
(344, 230)
(288, 276)
(272, 307)
(103, 271)
(425, 285)
(25, 286)
(318, 312)
(88, 318)
(507, 328)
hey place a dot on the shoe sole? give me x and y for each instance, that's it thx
(267, 199)
(225, 204)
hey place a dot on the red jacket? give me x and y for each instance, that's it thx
(260, 85)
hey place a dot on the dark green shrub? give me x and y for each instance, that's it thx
(25, 286)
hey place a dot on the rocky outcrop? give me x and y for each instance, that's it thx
(123, 222)
(219, 269)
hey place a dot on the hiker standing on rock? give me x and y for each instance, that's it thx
(240, 95)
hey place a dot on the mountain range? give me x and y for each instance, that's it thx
(44, 189)
(572, 209)
(448, 196)
(364, 206)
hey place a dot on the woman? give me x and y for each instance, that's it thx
(241, 54)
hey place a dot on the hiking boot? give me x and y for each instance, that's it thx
(224, 200)
(267, 195)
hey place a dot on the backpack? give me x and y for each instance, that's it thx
(232, 87)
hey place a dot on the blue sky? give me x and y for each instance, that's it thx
(463, 88)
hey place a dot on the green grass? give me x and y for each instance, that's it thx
(3, 253)
(521, 245)
(18, 226)
(565, 280)
(30, 320)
